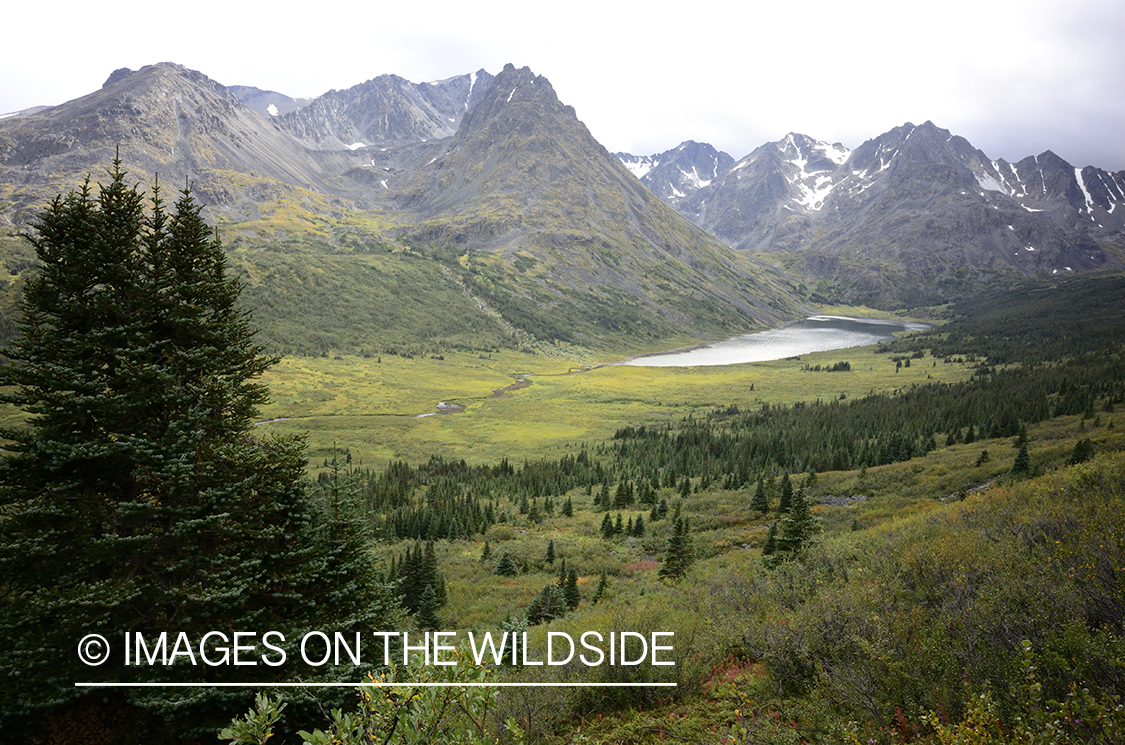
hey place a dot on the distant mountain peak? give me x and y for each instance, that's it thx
(680, 172)
(916, 212)
(385, 110)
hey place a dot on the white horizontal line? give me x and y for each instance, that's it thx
(373, 685)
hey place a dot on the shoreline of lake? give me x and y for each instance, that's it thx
(818, 333)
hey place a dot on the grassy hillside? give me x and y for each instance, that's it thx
(951, 594)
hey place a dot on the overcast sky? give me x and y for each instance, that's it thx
(1015, 77)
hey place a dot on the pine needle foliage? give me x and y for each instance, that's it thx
(137, 499)
(680, 553)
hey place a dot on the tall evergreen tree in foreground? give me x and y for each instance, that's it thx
(137, 499)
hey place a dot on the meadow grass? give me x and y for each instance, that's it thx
(371, 406)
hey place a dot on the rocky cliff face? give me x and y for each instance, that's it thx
(386, 110)
(165, 120)
(676, 174)
(914, 215)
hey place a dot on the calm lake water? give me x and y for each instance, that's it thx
(814, 334)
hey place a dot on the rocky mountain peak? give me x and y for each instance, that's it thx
(164, 119)
(386, 110)
(916, 201)
(678, 173)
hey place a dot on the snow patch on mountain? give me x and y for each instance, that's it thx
(1085, 191)
(836, 153)
(695, 179)
(639, 166)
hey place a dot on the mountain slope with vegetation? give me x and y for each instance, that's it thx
(938, 563)
(514, 216)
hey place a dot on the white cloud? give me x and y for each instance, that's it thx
(1015, 77)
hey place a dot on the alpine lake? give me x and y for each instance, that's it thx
(814, 334)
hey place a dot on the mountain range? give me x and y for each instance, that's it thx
(913, 216)
(479, 211)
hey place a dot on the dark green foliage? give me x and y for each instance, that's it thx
(982, 458)
(546, 606)
(602, 501)
(570, 590)
(680, 554)
(607, 529)
(786, 500)
(1083, 451)
(770, 546)
(639, 527)
(1021, 437)
(551, 552)
(416, 571)
(760, 502)
(138, 499)
(798, 525)
(1022, 463)
(427, 618)
(1031, 324)
(486, 552)
(506, 567)
(623, 497)
(599, 591)
(837, 367)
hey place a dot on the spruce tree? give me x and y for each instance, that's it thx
(1083, 451)
(679, 555)
(760, 502)
(1022, 463)
(506, 567)
(798, 525)
(639, 527)
(551, 551)
(427, 618)
(570, 590)
(770, 546)
(137, 498)
(548, 605)
(599, 591)
(621, 497)
(786, 495)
